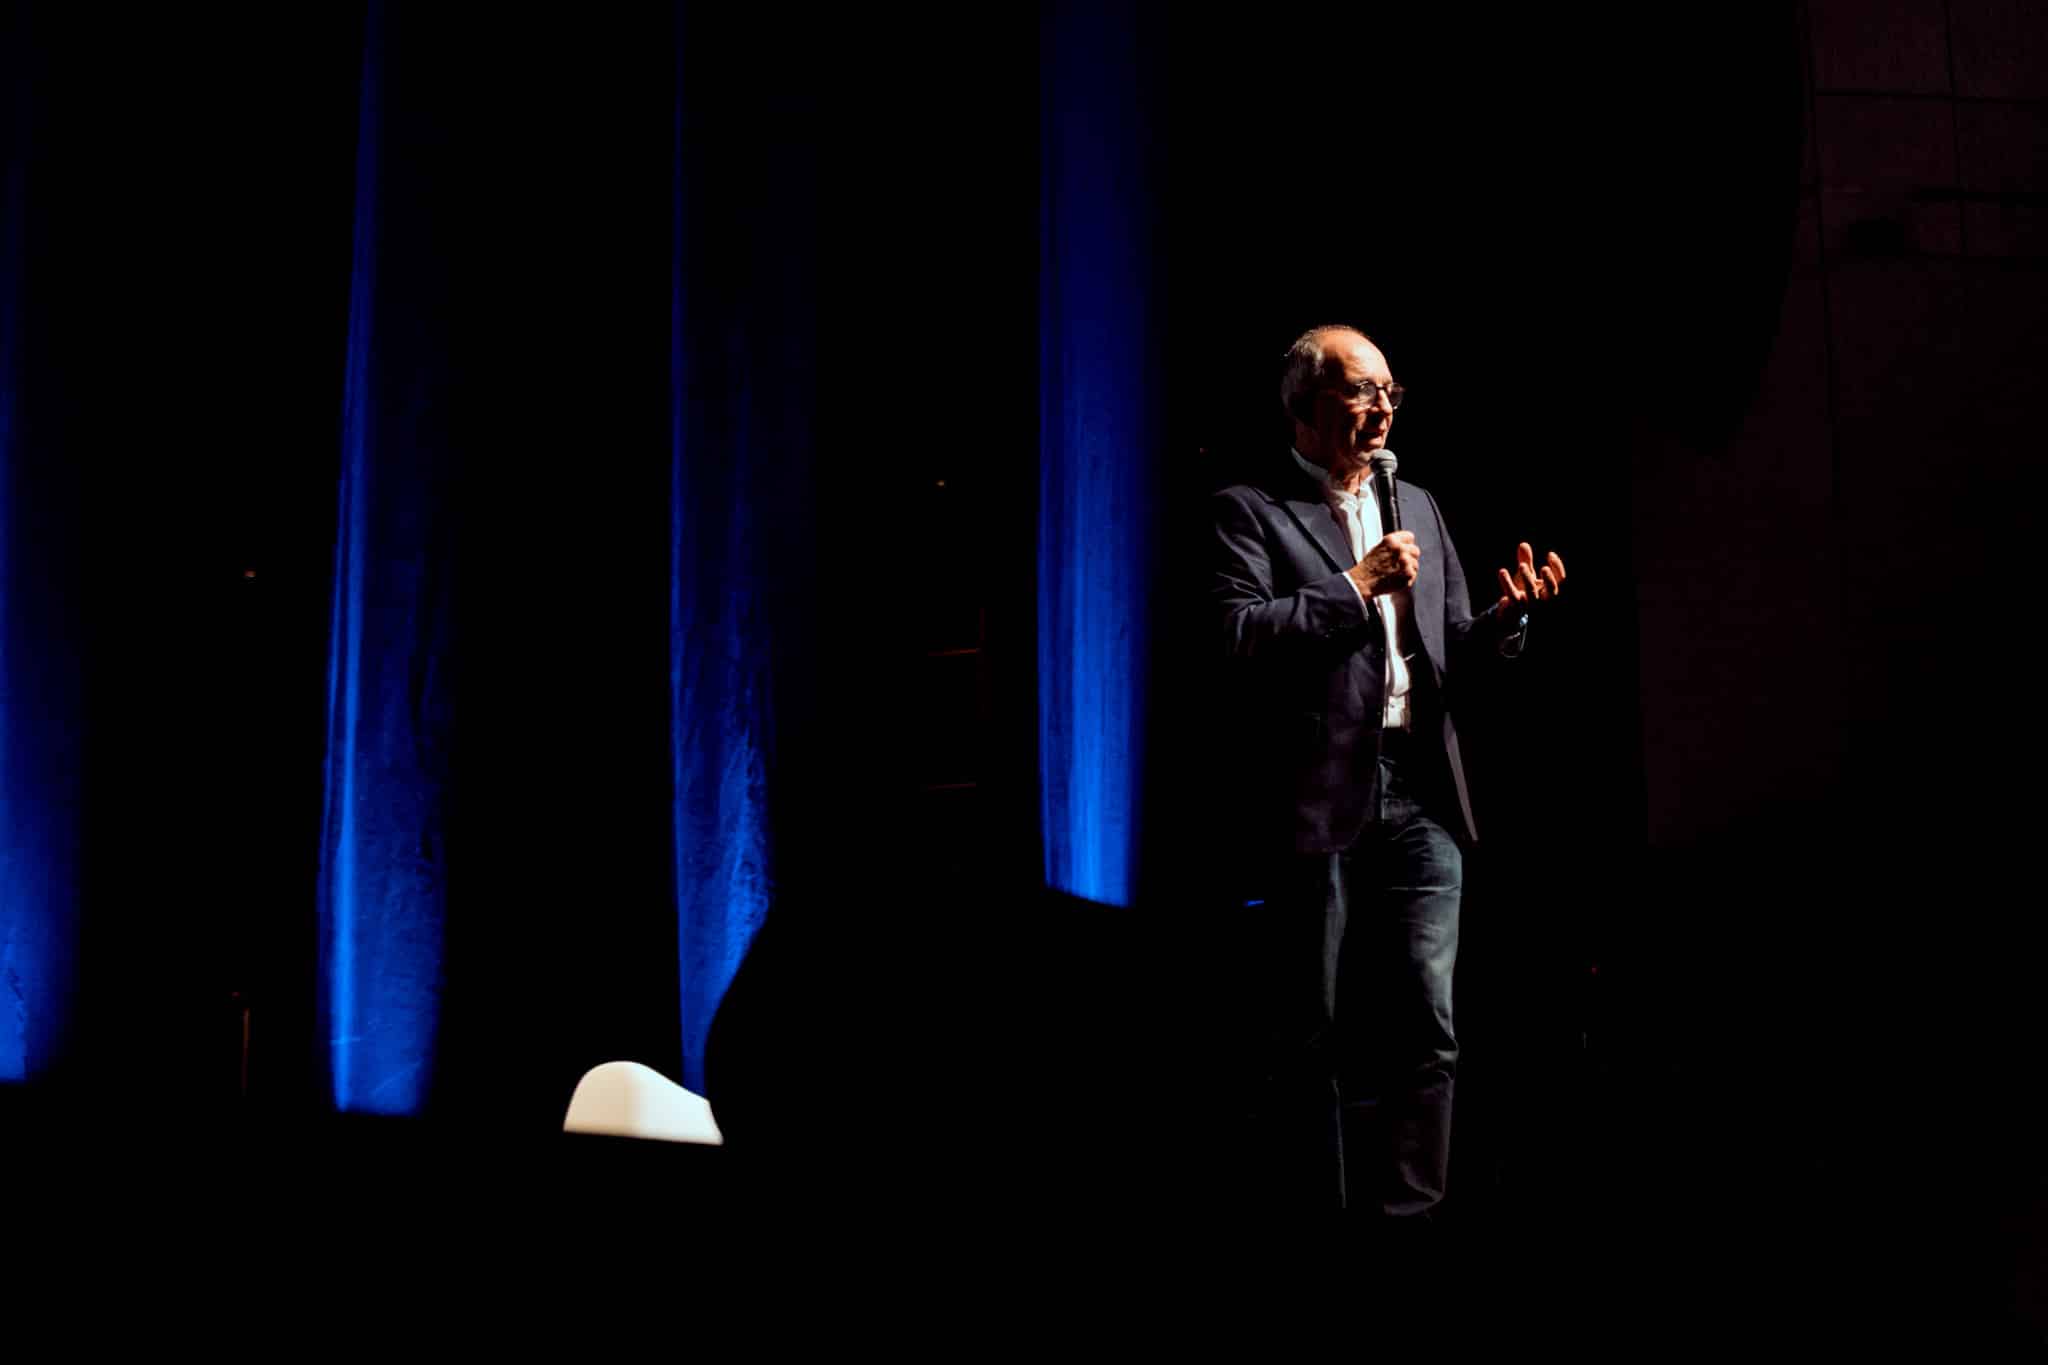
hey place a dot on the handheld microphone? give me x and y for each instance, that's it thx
(1383, 466)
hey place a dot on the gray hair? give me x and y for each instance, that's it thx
(1305, 361)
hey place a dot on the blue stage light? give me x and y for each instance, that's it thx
(382, 877)
(720, 632)
(39, 708)
(1097, 458)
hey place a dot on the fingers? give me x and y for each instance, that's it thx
(1407, 556)
(1527, 583)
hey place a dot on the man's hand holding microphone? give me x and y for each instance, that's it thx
(1388, 566)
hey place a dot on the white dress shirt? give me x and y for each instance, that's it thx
(1358, 516)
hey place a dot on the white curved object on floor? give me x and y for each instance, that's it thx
(626, 1099)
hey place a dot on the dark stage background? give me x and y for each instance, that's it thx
(1739, 312)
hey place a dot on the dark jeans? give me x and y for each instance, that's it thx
(1360, 1058)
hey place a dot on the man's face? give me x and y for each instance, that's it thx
(1350, 426)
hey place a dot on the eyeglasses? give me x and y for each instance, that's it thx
(1367, 393)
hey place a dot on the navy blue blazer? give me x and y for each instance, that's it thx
(1309, 658)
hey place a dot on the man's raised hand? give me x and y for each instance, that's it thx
(1528, 584)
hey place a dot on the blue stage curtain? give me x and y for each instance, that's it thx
(743, 376)
(39, 713)
(522, 975)
(510, 783)
(1098, 431)
(383, 876)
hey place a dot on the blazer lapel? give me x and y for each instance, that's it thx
(1304, 502)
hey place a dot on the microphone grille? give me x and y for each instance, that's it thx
(1384, 462)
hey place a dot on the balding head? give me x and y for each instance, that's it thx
(1327, 389)
(1316, 357)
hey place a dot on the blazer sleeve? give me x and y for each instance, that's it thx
(1471, 636)
(1258, 622)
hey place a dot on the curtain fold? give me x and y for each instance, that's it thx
(743, 377)
(383, 875)
(39, 711)
(1098, 464)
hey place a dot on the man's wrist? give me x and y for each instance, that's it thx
(1364, 591)
(1513, 628)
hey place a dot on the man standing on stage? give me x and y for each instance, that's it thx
(1345, 636)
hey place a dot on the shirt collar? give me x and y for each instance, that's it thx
(1322, 478)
